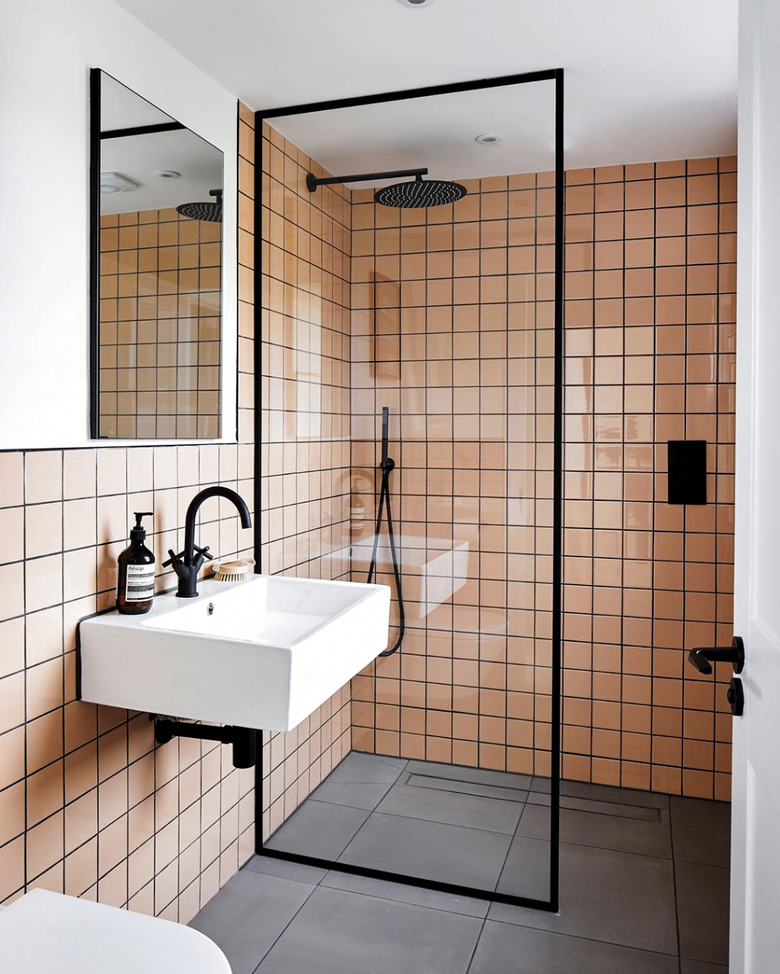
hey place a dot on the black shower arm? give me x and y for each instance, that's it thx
(312, 181)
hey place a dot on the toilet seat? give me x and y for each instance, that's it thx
(48, 932)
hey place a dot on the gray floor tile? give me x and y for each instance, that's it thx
(620, 796)
(367, 768)
(504, 948)
(600, 831)
(248, 915)
(616, 880)
(697, 811)
(609, 896)
(527, 869)
(355, 794)
(603, 808)
(703, 912)
(696, 967)
(445, 853)
(464, 787)
(535, 822)
(701, 831)
(346, 933)
(452, 808)
(296, 871)
(318, 829)
(416, 895)
(696, 847)
(457, 772)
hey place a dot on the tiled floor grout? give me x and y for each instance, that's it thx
(329, 881)
(476, 944)
(674, 893)
(579, 936)
(292, 918)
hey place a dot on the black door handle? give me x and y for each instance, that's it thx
(703, 659)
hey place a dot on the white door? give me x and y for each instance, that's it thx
(755, 890)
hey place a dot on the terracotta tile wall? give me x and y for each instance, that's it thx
(453, 313)
(650, 314)
(160, 290)
(441, 333)
(305, 453)
(88, 804)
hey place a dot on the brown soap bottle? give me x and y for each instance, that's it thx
(135, 585)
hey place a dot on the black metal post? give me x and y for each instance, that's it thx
(557, 540)
(555, 75)
(95, 75)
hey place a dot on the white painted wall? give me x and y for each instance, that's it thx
(46, 50)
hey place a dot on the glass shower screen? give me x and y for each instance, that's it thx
(445, 320)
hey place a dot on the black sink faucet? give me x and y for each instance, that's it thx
(188, 563)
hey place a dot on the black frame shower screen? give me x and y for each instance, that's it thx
(555, 75)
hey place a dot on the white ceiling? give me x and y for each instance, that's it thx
(645, 79)
(142, 157)
(437, 132)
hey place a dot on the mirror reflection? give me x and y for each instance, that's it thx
(157, 327)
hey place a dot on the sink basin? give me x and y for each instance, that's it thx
(263, 653)
(434, 569)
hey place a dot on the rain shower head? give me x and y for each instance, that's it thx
(420, 193)
(210, 212)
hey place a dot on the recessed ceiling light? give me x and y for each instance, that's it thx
(416, 3)
(168, 174)
(488, 138)
(115, 182)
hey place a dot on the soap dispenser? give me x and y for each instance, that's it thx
(135, 586)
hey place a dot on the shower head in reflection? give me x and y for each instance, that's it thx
(209, 212)
(417, 194)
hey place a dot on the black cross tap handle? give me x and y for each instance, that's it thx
(174, 559)
(703, 659)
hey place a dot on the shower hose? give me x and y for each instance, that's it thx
(386, 466)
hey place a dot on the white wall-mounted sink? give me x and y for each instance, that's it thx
(266, 654)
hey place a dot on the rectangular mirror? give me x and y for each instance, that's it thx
(156, 357)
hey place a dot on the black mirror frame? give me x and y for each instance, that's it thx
(95, 138)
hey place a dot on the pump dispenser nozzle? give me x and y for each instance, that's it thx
(138, 533)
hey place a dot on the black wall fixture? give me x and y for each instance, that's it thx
(687, 466)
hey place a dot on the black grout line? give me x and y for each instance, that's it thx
(283, 931)
(477, 941)
(674, 892)
(578, 936)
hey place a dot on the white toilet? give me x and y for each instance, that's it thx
(48, 932)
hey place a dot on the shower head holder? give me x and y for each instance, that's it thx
(312, 181)
(418, 194)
